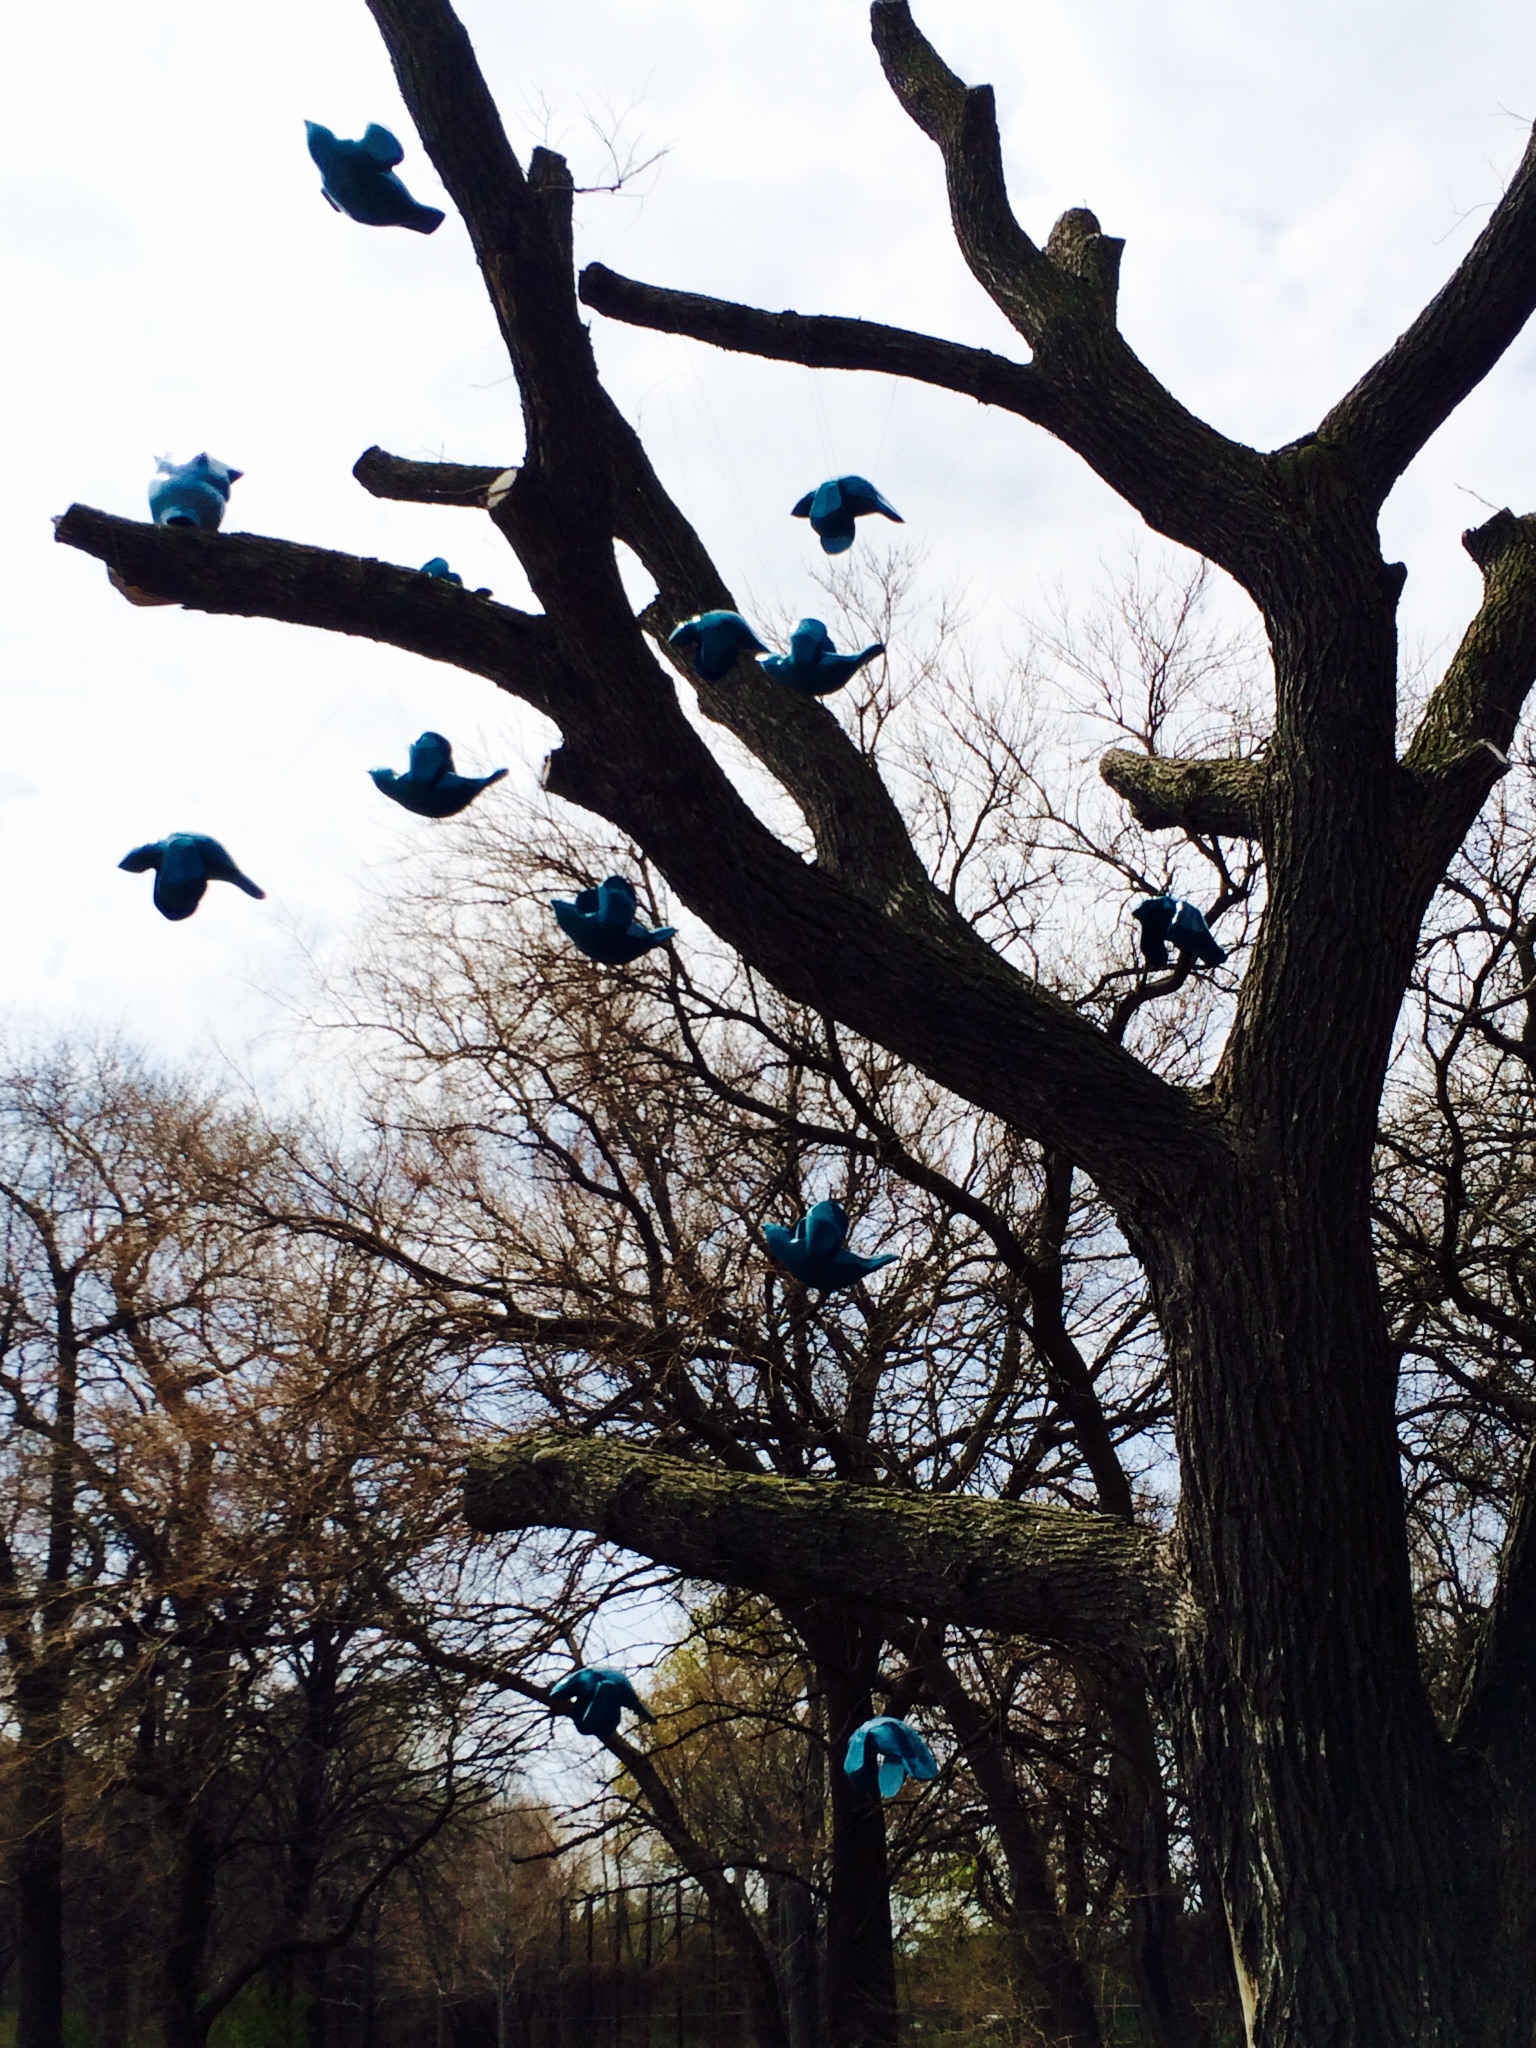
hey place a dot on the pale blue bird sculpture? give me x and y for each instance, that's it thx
(889, 1752)
(1166, 920)
(816, 1251)
(595, 1696)
(430, 787)
(184, 864)
(603, 924)
(714, 639)
(833, 507)
(191, 493)
(813, 665)
(358, 178)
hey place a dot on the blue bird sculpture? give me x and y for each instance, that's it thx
(429, 787)
(813, 665)
(440, 572)
(1165, 919)
(358, 179)
(602, 923)
(191, 493)
(833, 507)
(184, 864)
(888, 1752)
(816, 1251)
(595, 1696)
(714, 639)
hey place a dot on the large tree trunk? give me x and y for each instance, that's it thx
(1352, 1845)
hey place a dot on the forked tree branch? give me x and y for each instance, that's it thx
(1219, 799)
(1448, 350)
(1090, 1584)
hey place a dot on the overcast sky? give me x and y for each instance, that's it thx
(1293, 181)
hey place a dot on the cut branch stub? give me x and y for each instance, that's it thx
(1491, 671)
(425, 483)
(1080, 1582)
(1211, 799)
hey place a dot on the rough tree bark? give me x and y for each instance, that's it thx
(1376, 1876)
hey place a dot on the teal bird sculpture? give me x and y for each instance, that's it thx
(603, 924)
(816, 1250)
(191, 493)
(886, 1752)
(595, 1696)
(1166, 920)
(813, 665)
(184, 863)
(833, 507)
(358, 179)
(714, 640)
(430, 787)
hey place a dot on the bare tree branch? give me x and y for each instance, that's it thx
(821, 341)
(1385, 420)
(254, 577)
(1088, 1583)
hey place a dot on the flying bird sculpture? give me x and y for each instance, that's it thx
(595, 1696)
(833, 507)
(816, 1251)
(714, 640)
(430, 787)
(1166, 920)
(358, 178)
(603, 924)
(888, 1752)
(184, 864)
(191, 493)
(813, 665)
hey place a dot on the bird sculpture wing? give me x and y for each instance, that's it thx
(853, 1759)
(218, 867)
(143, 858)
(1191, 934)
(381, 146)
(687, 634)
(616, 903)
(827, 499)
(914, 1752)
(826, 1229)
(572, 918)
(809, 641)
(801, 509)
(742, 634)
(860, 495)
(431, 758)
(778, 1240)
